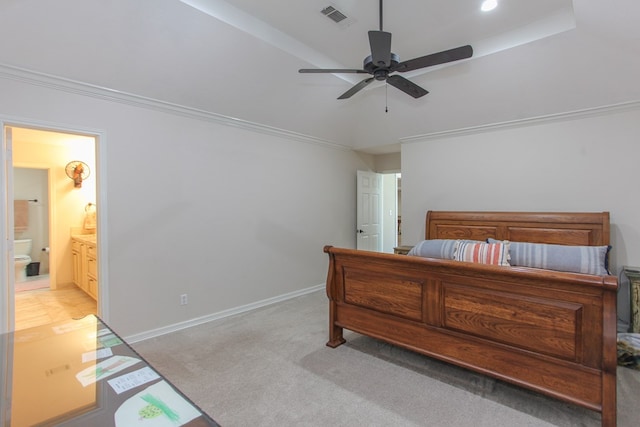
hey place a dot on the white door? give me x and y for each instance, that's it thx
(369, 215)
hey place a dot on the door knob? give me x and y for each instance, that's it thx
(359, 231)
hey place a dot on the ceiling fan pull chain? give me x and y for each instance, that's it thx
(386, 97)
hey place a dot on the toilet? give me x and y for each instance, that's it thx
(21, 252)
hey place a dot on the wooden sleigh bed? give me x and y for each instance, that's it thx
(550, 331)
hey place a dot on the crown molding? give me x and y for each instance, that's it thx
(570, 115)
(62, 84)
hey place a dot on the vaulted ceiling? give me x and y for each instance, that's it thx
(308, 30)
(240, 58)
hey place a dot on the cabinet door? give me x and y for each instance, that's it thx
(92, 267)
(92, 273)
(84, 280)
(77, 268)
(92, 287)
(85, 267)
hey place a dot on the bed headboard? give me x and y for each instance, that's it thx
(567, 228)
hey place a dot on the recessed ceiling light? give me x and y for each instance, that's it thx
(488, 5)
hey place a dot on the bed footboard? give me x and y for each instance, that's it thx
(551, 332)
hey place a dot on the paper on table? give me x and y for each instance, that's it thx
(133, 379)
(105, 369)
(97, 354)
(158, 405)
(109, 340)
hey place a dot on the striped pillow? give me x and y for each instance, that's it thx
(435, 248)
(574, 259)
(483, 253)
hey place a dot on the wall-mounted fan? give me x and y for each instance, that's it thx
(77, 171)
(382, 63)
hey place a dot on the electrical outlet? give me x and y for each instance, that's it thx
(184, 300)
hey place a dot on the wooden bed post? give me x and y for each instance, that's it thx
(609, 354)
(335, 332)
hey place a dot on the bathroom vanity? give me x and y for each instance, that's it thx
(85, 263)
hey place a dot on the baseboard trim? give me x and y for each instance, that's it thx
(220, 315)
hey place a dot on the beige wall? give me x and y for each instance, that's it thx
(388, 162)
(578, 163)
(190, 203)
(67, 203)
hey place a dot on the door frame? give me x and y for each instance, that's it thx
(7, 272)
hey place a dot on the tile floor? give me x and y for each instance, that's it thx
(36, 304)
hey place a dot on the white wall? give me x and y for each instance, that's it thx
(389, 212)
(580, 163)
(226, 213)
(385, 163)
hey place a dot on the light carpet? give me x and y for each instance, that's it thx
(270, 367)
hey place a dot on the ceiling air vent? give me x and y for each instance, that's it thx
(334, 14)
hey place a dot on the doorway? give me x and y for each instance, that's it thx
(378, 214)
(56, 210)
(31, 187)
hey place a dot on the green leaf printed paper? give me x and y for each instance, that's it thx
(159, 405)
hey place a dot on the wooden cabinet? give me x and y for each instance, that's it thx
(92, 271)
(402, 250)
(634, 287)
(76, 252)
(85, 265)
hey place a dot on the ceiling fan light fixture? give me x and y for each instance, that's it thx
(370, 67)
(489, 5)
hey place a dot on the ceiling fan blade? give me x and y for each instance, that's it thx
(356, 88)
(406, 86)
(380, 42)
(443, 57)
(331, 70)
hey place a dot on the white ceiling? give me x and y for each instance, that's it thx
(241, 59)
(418, 27)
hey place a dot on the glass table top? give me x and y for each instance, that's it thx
(81, 373)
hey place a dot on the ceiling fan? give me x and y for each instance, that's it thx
(382, 63)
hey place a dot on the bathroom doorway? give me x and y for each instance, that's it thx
(56, 210)
(31, 186)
